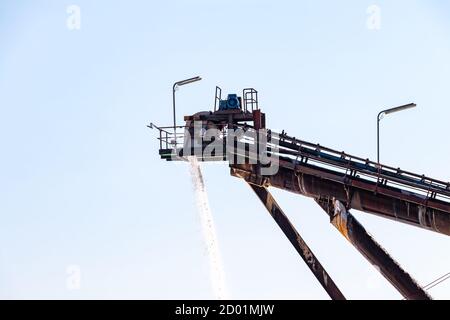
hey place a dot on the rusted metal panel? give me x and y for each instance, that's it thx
(306, 181)
(356, 234)
(364, 185)
(297, 241)
(258, 121)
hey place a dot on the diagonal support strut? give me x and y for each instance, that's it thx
(357, 235)
(297, 241)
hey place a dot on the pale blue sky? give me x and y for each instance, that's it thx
(80, 178)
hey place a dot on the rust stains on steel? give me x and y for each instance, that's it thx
(316, 183)
(297, 241)
(357, 235)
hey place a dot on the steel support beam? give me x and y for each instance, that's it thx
(309, 182)
(356, 234)
(297, 241)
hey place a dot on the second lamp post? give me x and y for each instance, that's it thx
(386, 112)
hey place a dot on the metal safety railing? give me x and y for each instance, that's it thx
(169, 138)
(354, 165)
(250, 97)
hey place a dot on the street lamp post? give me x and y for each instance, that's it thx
(386, 112)
(174, 88)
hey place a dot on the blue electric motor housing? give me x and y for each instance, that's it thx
(231, 103)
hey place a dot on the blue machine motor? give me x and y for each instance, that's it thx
(232, 103)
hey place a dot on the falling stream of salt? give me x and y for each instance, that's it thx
(209, 232)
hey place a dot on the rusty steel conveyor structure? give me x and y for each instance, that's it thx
(337, 181)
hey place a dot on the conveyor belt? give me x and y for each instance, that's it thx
(320, 172)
